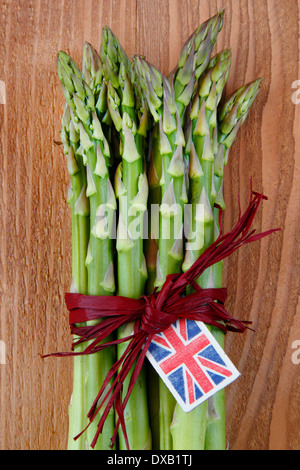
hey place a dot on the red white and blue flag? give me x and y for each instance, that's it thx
(190, 362)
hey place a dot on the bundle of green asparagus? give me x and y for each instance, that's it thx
(136, 141)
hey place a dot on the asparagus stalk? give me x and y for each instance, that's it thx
(154, 169)
(167, 180)
(188, 430)
(93, 72)
(131, 188)
(167, 168)
(231, 116)
(70, 139)
(95, 153)
(79, 206)
(194, 60)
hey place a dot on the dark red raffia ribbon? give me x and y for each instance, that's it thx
(153, 314)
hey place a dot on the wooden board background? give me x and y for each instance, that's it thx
(263, 409)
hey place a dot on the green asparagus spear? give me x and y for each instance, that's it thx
(194, 60)
(80, 236)
(188, 429)
(95, 153)
(131, 188)
(231, 115)
(167, 180)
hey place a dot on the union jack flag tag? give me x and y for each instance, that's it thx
(191, 362)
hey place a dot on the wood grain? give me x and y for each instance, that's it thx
(263, 409)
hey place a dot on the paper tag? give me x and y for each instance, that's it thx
(191, 362)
